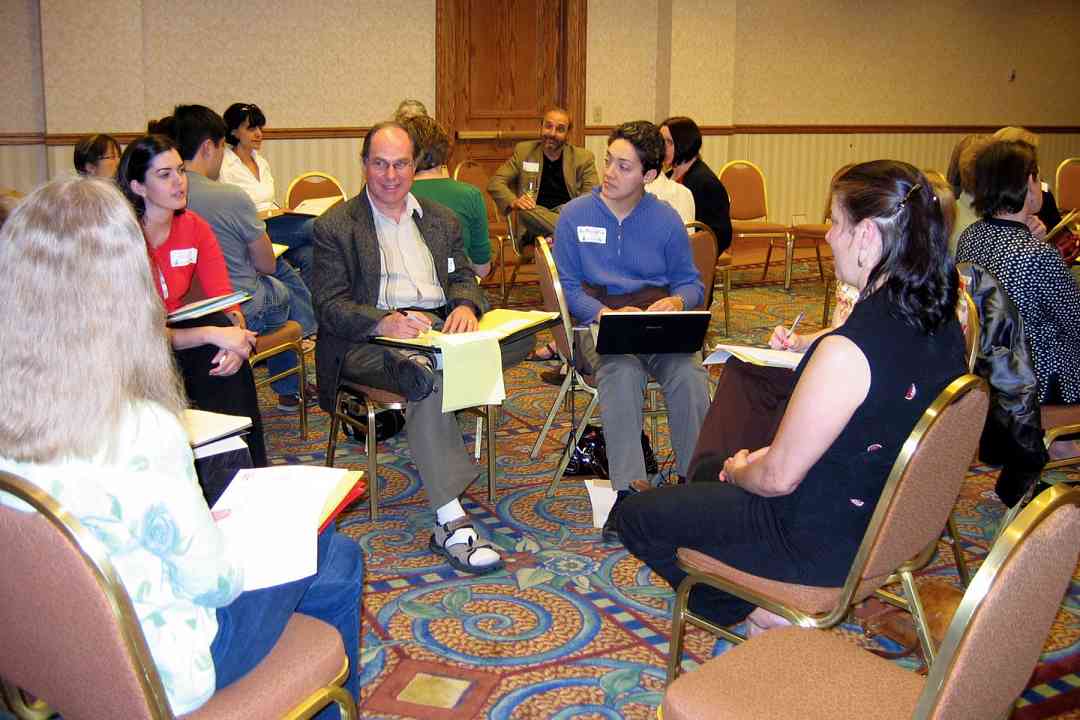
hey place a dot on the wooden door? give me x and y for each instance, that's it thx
(499, 64)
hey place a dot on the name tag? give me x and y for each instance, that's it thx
(531, 167)
(450, 265)
(180, 258)
(588, 234)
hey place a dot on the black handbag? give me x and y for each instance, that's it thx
(388, 423)
(590, 456)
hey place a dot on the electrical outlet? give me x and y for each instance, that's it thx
(597, 114)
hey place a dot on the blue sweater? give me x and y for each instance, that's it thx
(649, 248)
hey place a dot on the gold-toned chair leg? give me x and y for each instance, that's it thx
(302, 362)
(678, 629)
(727, 304)
(331, 445)
(371, 443)
(768, 259)
(789, 258)
(535, 452)
(820, 266)
(919, 616)
(958, 551)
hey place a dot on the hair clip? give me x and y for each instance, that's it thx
(900, 205)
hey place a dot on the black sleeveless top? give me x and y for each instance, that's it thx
(825, 518)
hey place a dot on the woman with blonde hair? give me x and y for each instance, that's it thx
(91, 417)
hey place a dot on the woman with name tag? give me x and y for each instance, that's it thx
(211, 351)
(100, 432)
(796, 510)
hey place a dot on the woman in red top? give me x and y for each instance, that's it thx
(211, 351)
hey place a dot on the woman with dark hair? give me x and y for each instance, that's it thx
(432, 181)
(1007, 195)
(797, 509)
(682, 153)
(97, 155)
(244, 166)
(211, 351)
(100, 432)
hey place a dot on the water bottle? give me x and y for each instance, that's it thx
(530, 187)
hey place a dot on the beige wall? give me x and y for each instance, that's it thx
(620, 60)
(20, 83)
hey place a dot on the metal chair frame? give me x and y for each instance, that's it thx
(312, 174)
(786, 236)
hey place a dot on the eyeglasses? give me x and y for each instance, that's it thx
(381, 166)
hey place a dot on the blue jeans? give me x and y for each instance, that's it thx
(251, 624)
(277, 298)
(296, 232)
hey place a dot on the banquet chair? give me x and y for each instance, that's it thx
(354, 400)
(312, 185)
(986, 658)
(703, 247)
(472, 172)
(914, 505)
(524, 252)
(745, 184)
(286, 338)
(807, 235)
(1067, 185)
(71, 637)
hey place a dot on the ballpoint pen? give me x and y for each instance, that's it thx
(795, 324)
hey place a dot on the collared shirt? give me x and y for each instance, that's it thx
(260, 189)
(676, 195)
(407, 276)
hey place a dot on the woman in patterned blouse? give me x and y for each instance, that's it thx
(1007, 193)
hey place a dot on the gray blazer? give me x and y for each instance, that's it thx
(346, 278)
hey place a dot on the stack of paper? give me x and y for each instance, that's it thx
(202, 308)
(203, 427)
(316, 206)
(755, 356)
(271, 516)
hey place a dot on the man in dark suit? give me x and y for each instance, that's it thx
(387, 264)
(558, 173)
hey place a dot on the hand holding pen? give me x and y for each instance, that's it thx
(786, 339)
(403, 324)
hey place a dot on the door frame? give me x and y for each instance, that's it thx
(450, 45)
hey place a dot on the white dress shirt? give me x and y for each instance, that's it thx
(407, 276)
(674, 194)
(259, 189)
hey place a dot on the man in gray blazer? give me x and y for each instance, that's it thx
(558, 173)
(387, 264)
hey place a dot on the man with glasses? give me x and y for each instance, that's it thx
(543, 175)
(387, 264)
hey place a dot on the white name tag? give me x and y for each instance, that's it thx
(449, 264)
(180, 258)
(588, 234)
(529, 166)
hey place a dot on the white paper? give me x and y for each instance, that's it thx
(233, 442)
(602, 498)
(203, 426)
(270, 519)
(755, 356)
(316, 206)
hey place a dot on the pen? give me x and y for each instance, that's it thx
(795, 324)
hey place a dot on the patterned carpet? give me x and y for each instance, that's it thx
(572, 628)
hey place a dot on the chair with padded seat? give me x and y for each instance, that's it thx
(914, 506)
(354, 400)
(472, 172)
(311, 186)
(70, 635)
(1067, 186)
(745, 185)
(286, 338)
(524, 252)
(985, 662)
(709, 264)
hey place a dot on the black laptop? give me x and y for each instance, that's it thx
(644, 333)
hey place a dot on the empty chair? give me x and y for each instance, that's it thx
(312, 185)
(745, 184)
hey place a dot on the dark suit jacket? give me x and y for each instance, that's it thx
(346, 278)
(506, 185)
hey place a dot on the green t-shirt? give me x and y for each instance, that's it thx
(468, 204)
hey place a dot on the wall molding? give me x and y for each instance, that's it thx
(324, 133)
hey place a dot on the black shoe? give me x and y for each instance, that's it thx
(553, 377)
(411, 374)
(610, 533)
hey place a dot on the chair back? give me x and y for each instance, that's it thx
(309, 185)
(745, 185)
(998, 631)
(703, 248)
(971, 328)
(1067, 185)
(554, 300)
(473, 173)
(67, 628)
(923, 485)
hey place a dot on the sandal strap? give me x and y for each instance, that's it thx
(454, 525)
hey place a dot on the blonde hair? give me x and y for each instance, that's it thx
(83, 327)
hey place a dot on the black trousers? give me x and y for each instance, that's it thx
(233, 395)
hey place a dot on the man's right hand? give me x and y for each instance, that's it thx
(524, 202)
(403, 324)
(626, 308)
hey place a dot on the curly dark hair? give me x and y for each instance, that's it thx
(647, 142)
(915, 271)
(430, 139)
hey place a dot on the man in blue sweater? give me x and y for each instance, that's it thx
(619, 249)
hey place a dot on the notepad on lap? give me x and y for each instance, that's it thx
(203, 427)
(202, 308)
(271, 518)
(755, 356)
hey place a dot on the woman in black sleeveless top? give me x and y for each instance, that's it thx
(796, 511)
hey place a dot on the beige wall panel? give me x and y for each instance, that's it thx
(848, 62)
(22, 109)
(620, 75)
(93, 65)
(22, 166)
(703, 60)
(340, 63)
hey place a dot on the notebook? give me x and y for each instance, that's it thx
(645, 333)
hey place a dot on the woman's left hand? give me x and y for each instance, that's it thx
(237, 318)
(740, 460)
